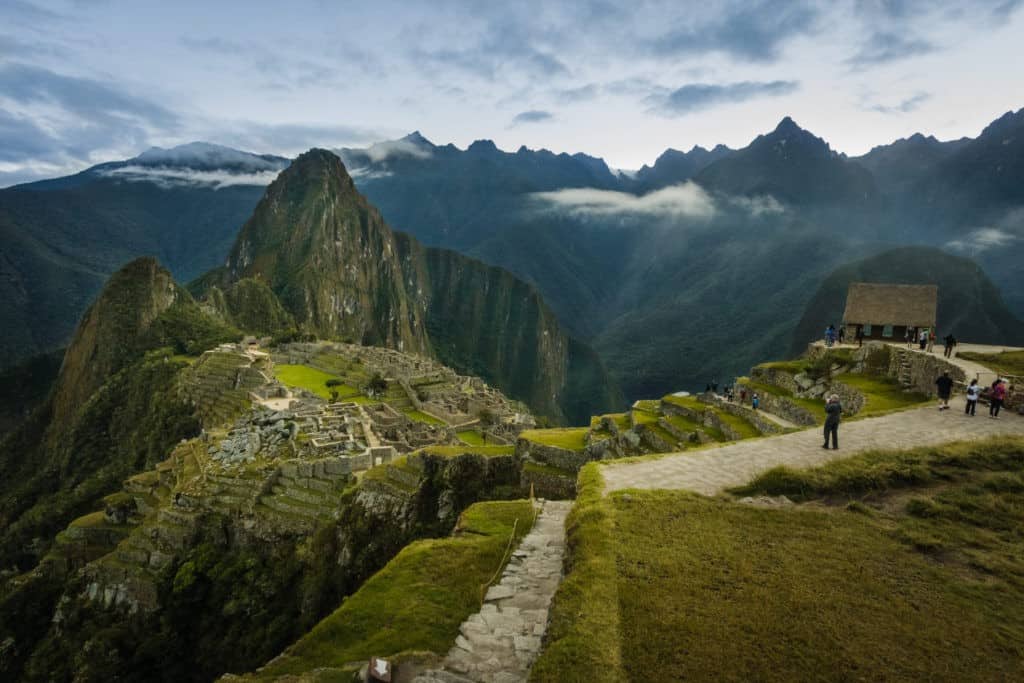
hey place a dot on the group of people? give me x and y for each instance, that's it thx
(924, 337)
(996, 395)
(832, 336)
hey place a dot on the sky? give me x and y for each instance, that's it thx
(87, 81)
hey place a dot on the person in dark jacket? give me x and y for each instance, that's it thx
(944, 387)
(833, 411)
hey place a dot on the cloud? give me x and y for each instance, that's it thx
(697, 96)
(583, 93)
(748, 31)
(290, 138)
(902, 107)
(887, 46)
(531, 116)
(760, 205)
(685, 200)
(170, 177)
(981, 240)
(391, 149)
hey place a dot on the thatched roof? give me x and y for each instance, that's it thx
(878, 304)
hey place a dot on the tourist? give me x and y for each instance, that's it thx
(995, 403)
(833, 410)
(842, 334)
(859, 336)
(950, 342)
(830, 335)
(931, 340)
(922, 338)
(973, 390)
(944, 386)
(909, 337)
(743, 395)
(755, 401)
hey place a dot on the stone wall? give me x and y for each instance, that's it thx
(762, 424)
(784, 408)
(774, 377)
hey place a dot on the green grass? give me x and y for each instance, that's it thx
(304, 377)
(453, 451)
(883, 395)
(814, 406)
(419, 599)
(879, 471)
(741, 426)
(573, 438)
(471, 438)
(920, 583)
(1005, 363)
(420, 416)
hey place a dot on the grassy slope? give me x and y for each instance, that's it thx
(1006, 363)
(419, 599)
(471, 438)
(883, 395)
(573, 439)
(920, 583)
(742, 427)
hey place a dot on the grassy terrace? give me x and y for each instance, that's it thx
(1005, 363)
(311, 379)
(882, 394)
(453, 451)
(573, 438)
(418, 600)
(649, 418)
(420, 416)
(902, 566)
(814, 406)
(471, 438)
(741, 426)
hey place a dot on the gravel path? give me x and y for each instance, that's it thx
(708, 471)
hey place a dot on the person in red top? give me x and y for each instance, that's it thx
(996, 401)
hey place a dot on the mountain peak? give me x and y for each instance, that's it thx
(417, 139)
(482, 146)
(788, 125)
(207, 155)
(1006, 123)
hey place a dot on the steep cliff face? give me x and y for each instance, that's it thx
(341, 273)
(486, 321)
(329, 257)
(106, 338)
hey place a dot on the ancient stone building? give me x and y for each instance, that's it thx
(884, 311)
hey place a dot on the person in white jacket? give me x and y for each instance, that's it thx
(973, 391)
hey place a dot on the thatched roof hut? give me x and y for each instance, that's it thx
(876, 304)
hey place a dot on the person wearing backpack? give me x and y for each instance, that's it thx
(944, 387)
(973, 390)
(998, 396)
(833, 411)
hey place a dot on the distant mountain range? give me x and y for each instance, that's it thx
(688, 270)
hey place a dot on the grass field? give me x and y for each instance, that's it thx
(420, 416)
(311, 379)
(471, 438)
(1006, 363)
(901, 566)
(573, 438)
(452, 451)
(418, 600)
(882, 395)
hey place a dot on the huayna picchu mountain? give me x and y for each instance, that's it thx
(341, 273)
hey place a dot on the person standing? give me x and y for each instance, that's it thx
(922, 338)
(755, 401)
(859, 335)
(998, 396)
(944, 387)
(931, 340)
(842, 334)
(909, 337)
(950, 343)
(833, 411)
(972, 397)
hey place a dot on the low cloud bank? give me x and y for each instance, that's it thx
(170, 177)
(982, 239)
(688, 199)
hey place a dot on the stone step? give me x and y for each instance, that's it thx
(172, 516)
(295, 507)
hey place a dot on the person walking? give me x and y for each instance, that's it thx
(842, 334)
(944, 387)
(922, 338)
(755, 401)
(998, 396)
(833, 411)
(950, 343)
(859, 336)
(973, 390)
(830, 336)
(931, 340)
(908, 336)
